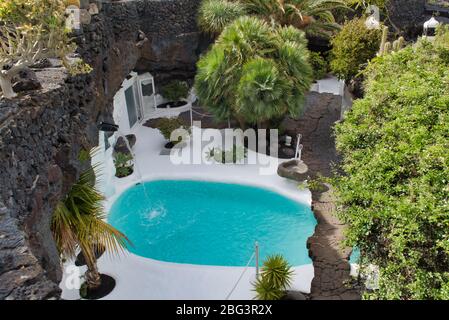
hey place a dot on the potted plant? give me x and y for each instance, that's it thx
(123, 165)
(166, 126)
(175, 92)
(275, 278)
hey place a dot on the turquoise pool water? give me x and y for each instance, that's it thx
(210, 223)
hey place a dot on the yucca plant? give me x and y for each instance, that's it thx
(255, 72)
(215, 15)
(78, 223)
(276, 276)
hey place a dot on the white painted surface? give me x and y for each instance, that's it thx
(143, 278)
(330, 84)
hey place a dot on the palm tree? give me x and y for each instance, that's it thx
(255, 72)
(78, 222)
(313, 16)
(215, 15)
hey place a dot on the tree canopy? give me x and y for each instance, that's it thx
(255, 72)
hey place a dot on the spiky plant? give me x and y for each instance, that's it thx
(277, 271)
(215, 15)
(254, 72)
(313, 16)
(276, 276)
(266, 291)
(78, 223)
(30, 30)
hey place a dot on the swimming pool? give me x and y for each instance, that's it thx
(211, 223)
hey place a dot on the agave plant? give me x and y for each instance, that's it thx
(255, 72)
(276, 277)
(78, 223)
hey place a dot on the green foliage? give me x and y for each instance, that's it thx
(394, 194)
(352, 48)
(236, 154)
(123, 168)
(167, 125)
(254, 72)
(319, 65)
(276, 276)
(78, 222)
(175, 90)
(312, 16)
(79, 67)
(365, 3)
(31, 30)
(215, 15)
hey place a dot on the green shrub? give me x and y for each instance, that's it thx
(255, 72)
(352, 48)
(175, 90)
(215, 15)
(276, 276)
(167, 125)
(236, 154)
(319, 65)
(122, 164)
(394, 192)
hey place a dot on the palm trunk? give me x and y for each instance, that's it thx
(92, 276)
(6, 85)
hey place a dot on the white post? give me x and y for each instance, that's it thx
(154, 92)
(298, 139)
(256, 248)
(191, 115)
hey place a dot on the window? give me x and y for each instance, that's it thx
(131, 106)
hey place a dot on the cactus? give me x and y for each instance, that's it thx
(384, 40)
(396, 45)
(387, 47)
(401, 42)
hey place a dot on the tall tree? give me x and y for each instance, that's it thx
(255, 72)
(78, 223)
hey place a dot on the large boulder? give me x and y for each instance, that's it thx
(294, 169)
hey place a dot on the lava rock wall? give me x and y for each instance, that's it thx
(43, 131)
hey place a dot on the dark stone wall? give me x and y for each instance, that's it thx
(407, 16)
(42, 131)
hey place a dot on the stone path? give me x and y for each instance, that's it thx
(330, 259)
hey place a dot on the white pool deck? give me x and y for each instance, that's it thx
(142, 278)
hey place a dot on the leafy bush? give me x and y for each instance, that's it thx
(319, 65)
(394, 194)
(175, 90)
(30, 30)
(167, 125)
(215, 15)
(352, 48)
(254, 72)
(123, 168)
(236, 154)
(275, 278)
